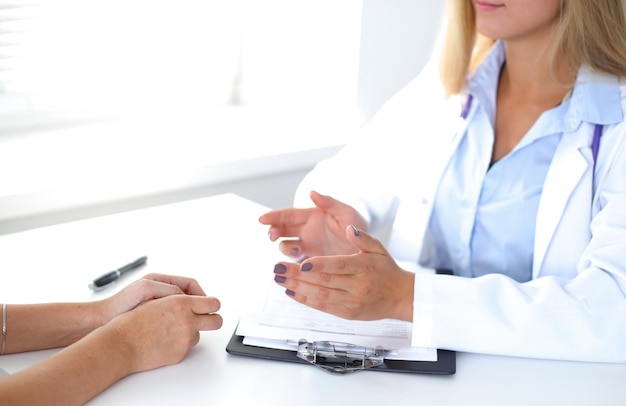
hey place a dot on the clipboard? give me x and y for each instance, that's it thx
(445, 364)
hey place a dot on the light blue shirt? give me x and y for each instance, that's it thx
(484, 215)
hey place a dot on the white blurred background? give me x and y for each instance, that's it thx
(110, 105)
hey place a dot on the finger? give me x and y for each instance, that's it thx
(330, 205)
(363, 241)
(203, 304)
(284, 270)
(328, 292)
(206, 322)
(291, 248)
(271, 217)
(296, 217)
(154, 289)
(188, 286)
(321, 272)
(322, 201)
(285, 216)
(204, 309)
(318, 285)
(286, 223)
(327, 288)
(331, 301)
(284, 231)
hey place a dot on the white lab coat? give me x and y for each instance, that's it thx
(574, 307)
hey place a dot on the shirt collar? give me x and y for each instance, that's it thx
(595, 99)
(483, 82)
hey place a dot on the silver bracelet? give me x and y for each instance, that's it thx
(4, 328)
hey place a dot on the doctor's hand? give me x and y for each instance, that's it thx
(368, 285)
(319, 230)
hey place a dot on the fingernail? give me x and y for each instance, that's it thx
(306, 267)
(279, 279)
(355, 230)
(280, 268)
(290, 292)
(295, 252)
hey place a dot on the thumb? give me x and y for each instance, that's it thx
(322, 201)
(330, 205)
(364, 242)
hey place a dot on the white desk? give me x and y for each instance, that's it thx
(218, 241)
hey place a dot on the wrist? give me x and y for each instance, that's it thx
(101, 358)
(120, 349)
(404, 306)
(98, 314)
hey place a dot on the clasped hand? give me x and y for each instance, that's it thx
(157, 319)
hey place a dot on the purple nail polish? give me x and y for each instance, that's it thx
(356, 231)
(280, 268)
(306, 267)
(290, 292)
(279, 279)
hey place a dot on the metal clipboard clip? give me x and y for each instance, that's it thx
(340, 358)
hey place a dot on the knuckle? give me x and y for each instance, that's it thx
(322, 306)
(341, 264)
(178, 303)
(292, 284)
(324, 278)
(144, 282)
(323, 294)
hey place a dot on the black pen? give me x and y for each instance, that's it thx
(103, 281)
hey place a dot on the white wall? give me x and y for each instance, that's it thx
(397, 40)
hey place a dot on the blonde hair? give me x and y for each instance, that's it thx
(590, 32)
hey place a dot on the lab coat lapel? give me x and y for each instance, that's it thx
(414, 218)
(569, 165)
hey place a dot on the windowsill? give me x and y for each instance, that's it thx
(65, 168)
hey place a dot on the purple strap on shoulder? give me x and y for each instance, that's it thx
(595, 146)
(595, 143)
(467, 107)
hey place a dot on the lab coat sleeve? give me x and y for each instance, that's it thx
(544, 318)
(573, 318)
